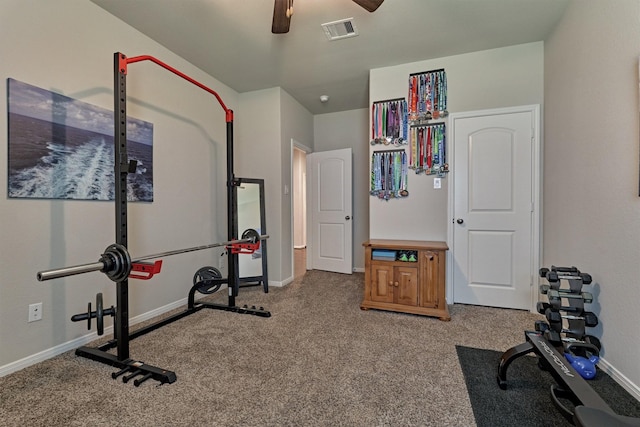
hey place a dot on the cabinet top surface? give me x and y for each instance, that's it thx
(406, 244)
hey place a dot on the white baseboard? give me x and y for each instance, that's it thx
(80, 341)
(618, 377)
(281, 284)
(358, 270)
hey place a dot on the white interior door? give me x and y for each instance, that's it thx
(329, 199)
(493, 208)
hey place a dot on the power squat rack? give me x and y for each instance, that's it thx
(117, 264)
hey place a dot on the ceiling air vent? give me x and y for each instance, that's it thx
(340, 29)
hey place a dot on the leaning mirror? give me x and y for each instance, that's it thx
(250, 213)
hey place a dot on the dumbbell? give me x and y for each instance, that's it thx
(556, 295)
(574, 329)
(568, 273)
(589, 318)
(542, 307)
(577, 332)
(544, 271)
(571, 344)
(554, 276)
(552, 336)
(541, 326)
(565, 293)
(98, 314)
(550, 328)
(572, 274)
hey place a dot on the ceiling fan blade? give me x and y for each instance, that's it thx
(370, 5)
(282, 10)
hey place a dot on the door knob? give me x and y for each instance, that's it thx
(347, 217)
(460, 220)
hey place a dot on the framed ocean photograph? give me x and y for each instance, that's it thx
(62, 148)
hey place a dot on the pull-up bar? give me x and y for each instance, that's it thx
(123, 61)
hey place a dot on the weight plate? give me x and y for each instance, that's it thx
(203, 280)
(252, 234)
(117, 262)
(99, 314)
(89, 316)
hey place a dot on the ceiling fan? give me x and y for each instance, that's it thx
(283, 9)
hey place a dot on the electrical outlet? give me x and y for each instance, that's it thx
(35, 312)
(437, 183)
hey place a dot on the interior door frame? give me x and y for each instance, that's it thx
(307, 151)
(536, 218)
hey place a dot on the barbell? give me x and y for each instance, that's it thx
(116, 261)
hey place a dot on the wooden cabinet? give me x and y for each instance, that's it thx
(416, 287)
(394, 284)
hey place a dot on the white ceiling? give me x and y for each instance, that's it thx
(232, 40)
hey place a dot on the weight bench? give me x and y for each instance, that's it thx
(590, 409)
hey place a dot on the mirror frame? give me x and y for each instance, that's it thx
(262, 279)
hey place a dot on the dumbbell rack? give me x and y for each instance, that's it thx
(573, 338)
(551, 340)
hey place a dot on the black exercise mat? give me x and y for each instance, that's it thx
(527, 400)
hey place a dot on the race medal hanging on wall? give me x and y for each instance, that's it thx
(389, 174)
(427, 95)
(427, 101)
(427, 149)
(389, 122)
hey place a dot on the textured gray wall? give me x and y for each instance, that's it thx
(591, 203)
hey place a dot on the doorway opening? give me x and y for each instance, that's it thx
(299, 200)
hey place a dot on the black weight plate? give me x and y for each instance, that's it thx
(205, 273)
(99, 314)
(252, 234)
(203, 280)
(89, 316)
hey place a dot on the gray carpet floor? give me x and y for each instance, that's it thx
(318, 361)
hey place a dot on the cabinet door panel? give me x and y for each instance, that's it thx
(381, 283)
(430, 278)
(406, 284)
